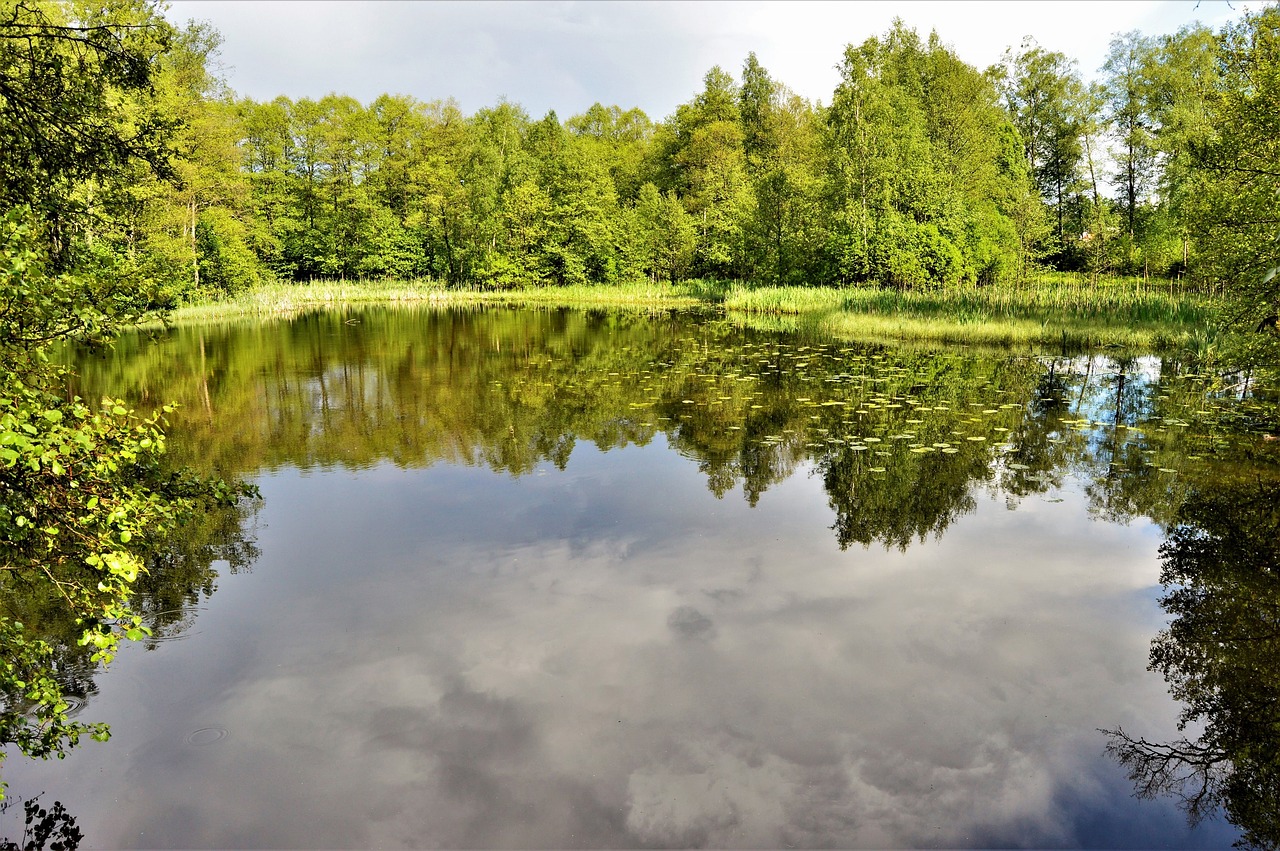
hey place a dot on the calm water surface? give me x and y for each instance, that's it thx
(564, 579)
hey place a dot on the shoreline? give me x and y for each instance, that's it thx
(1053, 315)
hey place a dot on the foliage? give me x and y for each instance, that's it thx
(86, 149)
(921, 173)
(1236, 208)
(1045, 100)
(76, 127)
(44, 827)
(919, 189)
(83, 492)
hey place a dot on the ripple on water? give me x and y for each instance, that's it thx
(181, 628)
(207, 736)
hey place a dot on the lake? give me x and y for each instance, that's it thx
(572, 579)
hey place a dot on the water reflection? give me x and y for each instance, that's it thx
(44, 827)
(1221, 658)
(900, 437)
(501, 598)
(181, 571)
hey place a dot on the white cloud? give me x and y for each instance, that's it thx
(567, 55)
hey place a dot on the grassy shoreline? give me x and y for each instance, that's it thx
(1052, 312)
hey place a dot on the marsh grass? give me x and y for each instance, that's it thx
(1055, 310)
(1058, 311)
(287, 299)
(996, 334)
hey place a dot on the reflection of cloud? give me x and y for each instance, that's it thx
(687, 622)
(424, 673)
(465, 725)
(709, 802)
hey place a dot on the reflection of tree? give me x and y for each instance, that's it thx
(50, 827)
(1221, 657)
(512, 389)
(180, 570)
(911, 500)
(1120, 489)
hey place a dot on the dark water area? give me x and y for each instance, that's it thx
(567, 579)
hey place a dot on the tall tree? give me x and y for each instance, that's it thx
(200, 227)
(703, 161)
(77, 120)
(664, 233)
(620, 140)
(1125, 89)
(1236, 209)
(781, 143)
(266, 141)
(915, 151)
(1182, 74)
(1046, 101)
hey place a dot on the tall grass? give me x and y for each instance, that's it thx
(283, 299)
(1057, 310)
(1043, 302)
(1002, 334)
(1052, 310)
(278, 298)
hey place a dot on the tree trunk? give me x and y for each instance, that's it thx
(195, 252)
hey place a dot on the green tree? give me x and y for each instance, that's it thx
(395, 249)
(442, 205)
(665, 234)
(348, 145)
(620, 140)
(702, 159)
(302, 234)
(1182, 74)
(199, 229)
(77, 120)
(781, 142)
(1046, 101)
(267, 142)
(917, 191)
(498, 162)
(1099, 232)
(1234, 209)
(1126, 99)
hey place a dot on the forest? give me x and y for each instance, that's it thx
(921, 172)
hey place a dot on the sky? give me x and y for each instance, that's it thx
(568, 55)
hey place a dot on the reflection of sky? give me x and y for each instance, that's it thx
(610, 656)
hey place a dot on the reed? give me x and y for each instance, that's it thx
(1053, 310)
(282, 299)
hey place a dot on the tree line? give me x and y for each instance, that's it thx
(921, 171)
